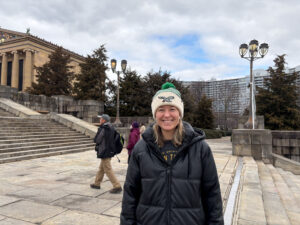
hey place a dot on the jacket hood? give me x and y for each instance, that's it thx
(191, 135)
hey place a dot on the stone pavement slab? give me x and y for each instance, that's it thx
(83, 189)
(71, 217)
(30, 211)
(84, 203)
(39, 195)
(114, 211)
(109, 196)
(6, 188)
(10, 221)
(4, 200)
(42, 183)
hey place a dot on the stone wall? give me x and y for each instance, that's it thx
(287, 144)
(256, 143)
(83, 109)
(281, 148)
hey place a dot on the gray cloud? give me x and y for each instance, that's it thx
(144, 32)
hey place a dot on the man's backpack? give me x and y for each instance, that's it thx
(119, 142)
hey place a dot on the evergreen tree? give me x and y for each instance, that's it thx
(136, 94)
(110, 104)
(153, 82)
(90, 83)
(277, 101)
(132, 92)
(54, 77)
(204, 118)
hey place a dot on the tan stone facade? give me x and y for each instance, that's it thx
(20, 52)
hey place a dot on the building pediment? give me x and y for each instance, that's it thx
(7, 35)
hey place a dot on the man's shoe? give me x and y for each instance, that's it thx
(94, 186)
(115, 190)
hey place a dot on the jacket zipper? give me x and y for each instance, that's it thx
(169, 194)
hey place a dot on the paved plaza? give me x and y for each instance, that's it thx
(55, 190)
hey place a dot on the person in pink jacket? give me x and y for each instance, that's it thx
(134, 137)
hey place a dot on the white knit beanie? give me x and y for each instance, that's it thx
(168, 95)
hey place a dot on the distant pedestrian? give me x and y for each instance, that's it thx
(134, 137)
(104, 140)
(172, 177)
(142, 130)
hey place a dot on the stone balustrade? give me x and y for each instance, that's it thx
(83, 109)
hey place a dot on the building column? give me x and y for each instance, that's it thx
(4, 69)
(27, 69)
(15, 70)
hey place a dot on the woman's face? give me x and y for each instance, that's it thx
(167, 117)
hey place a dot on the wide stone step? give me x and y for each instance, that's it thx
(249, 208)
(40, 155)
(33, 126)
(37, 133)
(45, 135)
(19, 120)
(25, 130)
(73, 136)
(39, 142)
(9, 119)
(45, 150)
(274, 209)
(286, 195)
(41, 146)
(292, 180)
(5, 113)
(28, 125)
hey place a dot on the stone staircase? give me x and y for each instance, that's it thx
(267, 195)
(5, 113)
(27, 138)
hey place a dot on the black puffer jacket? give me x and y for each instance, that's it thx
(185, 192)
(104, 139)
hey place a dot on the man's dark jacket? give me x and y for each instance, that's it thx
(185, 192)
(104, 139)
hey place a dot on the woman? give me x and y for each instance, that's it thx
(134, 137)
(172, 177)
(142, 130)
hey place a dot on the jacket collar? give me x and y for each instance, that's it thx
(191, 135)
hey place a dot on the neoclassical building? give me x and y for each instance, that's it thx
(20, 52)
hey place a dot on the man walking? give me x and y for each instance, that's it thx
(105, 146)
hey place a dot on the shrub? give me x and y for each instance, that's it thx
(211, 134)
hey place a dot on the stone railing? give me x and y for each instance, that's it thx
(83, 109)
(269, 146)
(127, 121)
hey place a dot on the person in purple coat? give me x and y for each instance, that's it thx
(134, 137)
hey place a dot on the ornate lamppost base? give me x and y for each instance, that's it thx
(117, 123)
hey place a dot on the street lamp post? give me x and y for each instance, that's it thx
(253, 50)
(113, 64)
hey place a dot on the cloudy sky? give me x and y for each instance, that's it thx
(192, 39)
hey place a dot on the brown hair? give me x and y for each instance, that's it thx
(177, 138)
